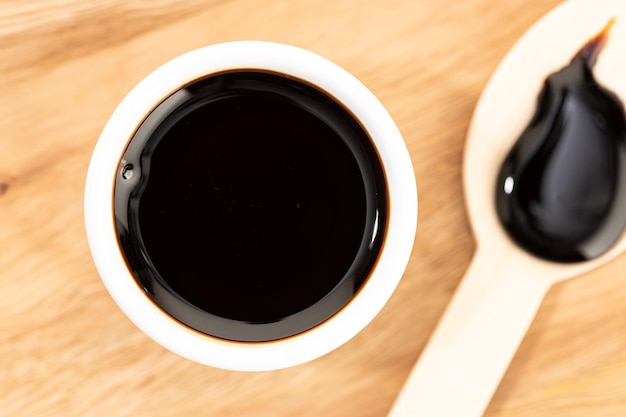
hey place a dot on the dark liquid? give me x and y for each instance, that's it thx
(561, 192)
(251, 206)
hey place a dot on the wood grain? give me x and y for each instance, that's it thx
(66, 349)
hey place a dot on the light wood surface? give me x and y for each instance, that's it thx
(67, 350)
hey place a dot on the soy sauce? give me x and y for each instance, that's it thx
(561, 191)
(251, 206)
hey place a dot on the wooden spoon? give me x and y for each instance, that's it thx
(478, 335)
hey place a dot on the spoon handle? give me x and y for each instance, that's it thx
(475, 340)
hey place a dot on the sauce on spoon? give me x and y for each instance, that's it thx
(561, 191)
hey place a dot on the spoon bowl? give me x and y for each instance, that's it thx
(508, 102)
(479, 333)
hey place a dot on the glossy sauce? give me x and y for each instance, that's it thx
(251, 206)
(561, 191)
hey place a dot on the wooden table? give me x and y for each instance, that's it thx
(67, 350)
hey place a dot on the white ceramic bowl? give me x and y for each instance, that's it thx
(249, 356)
